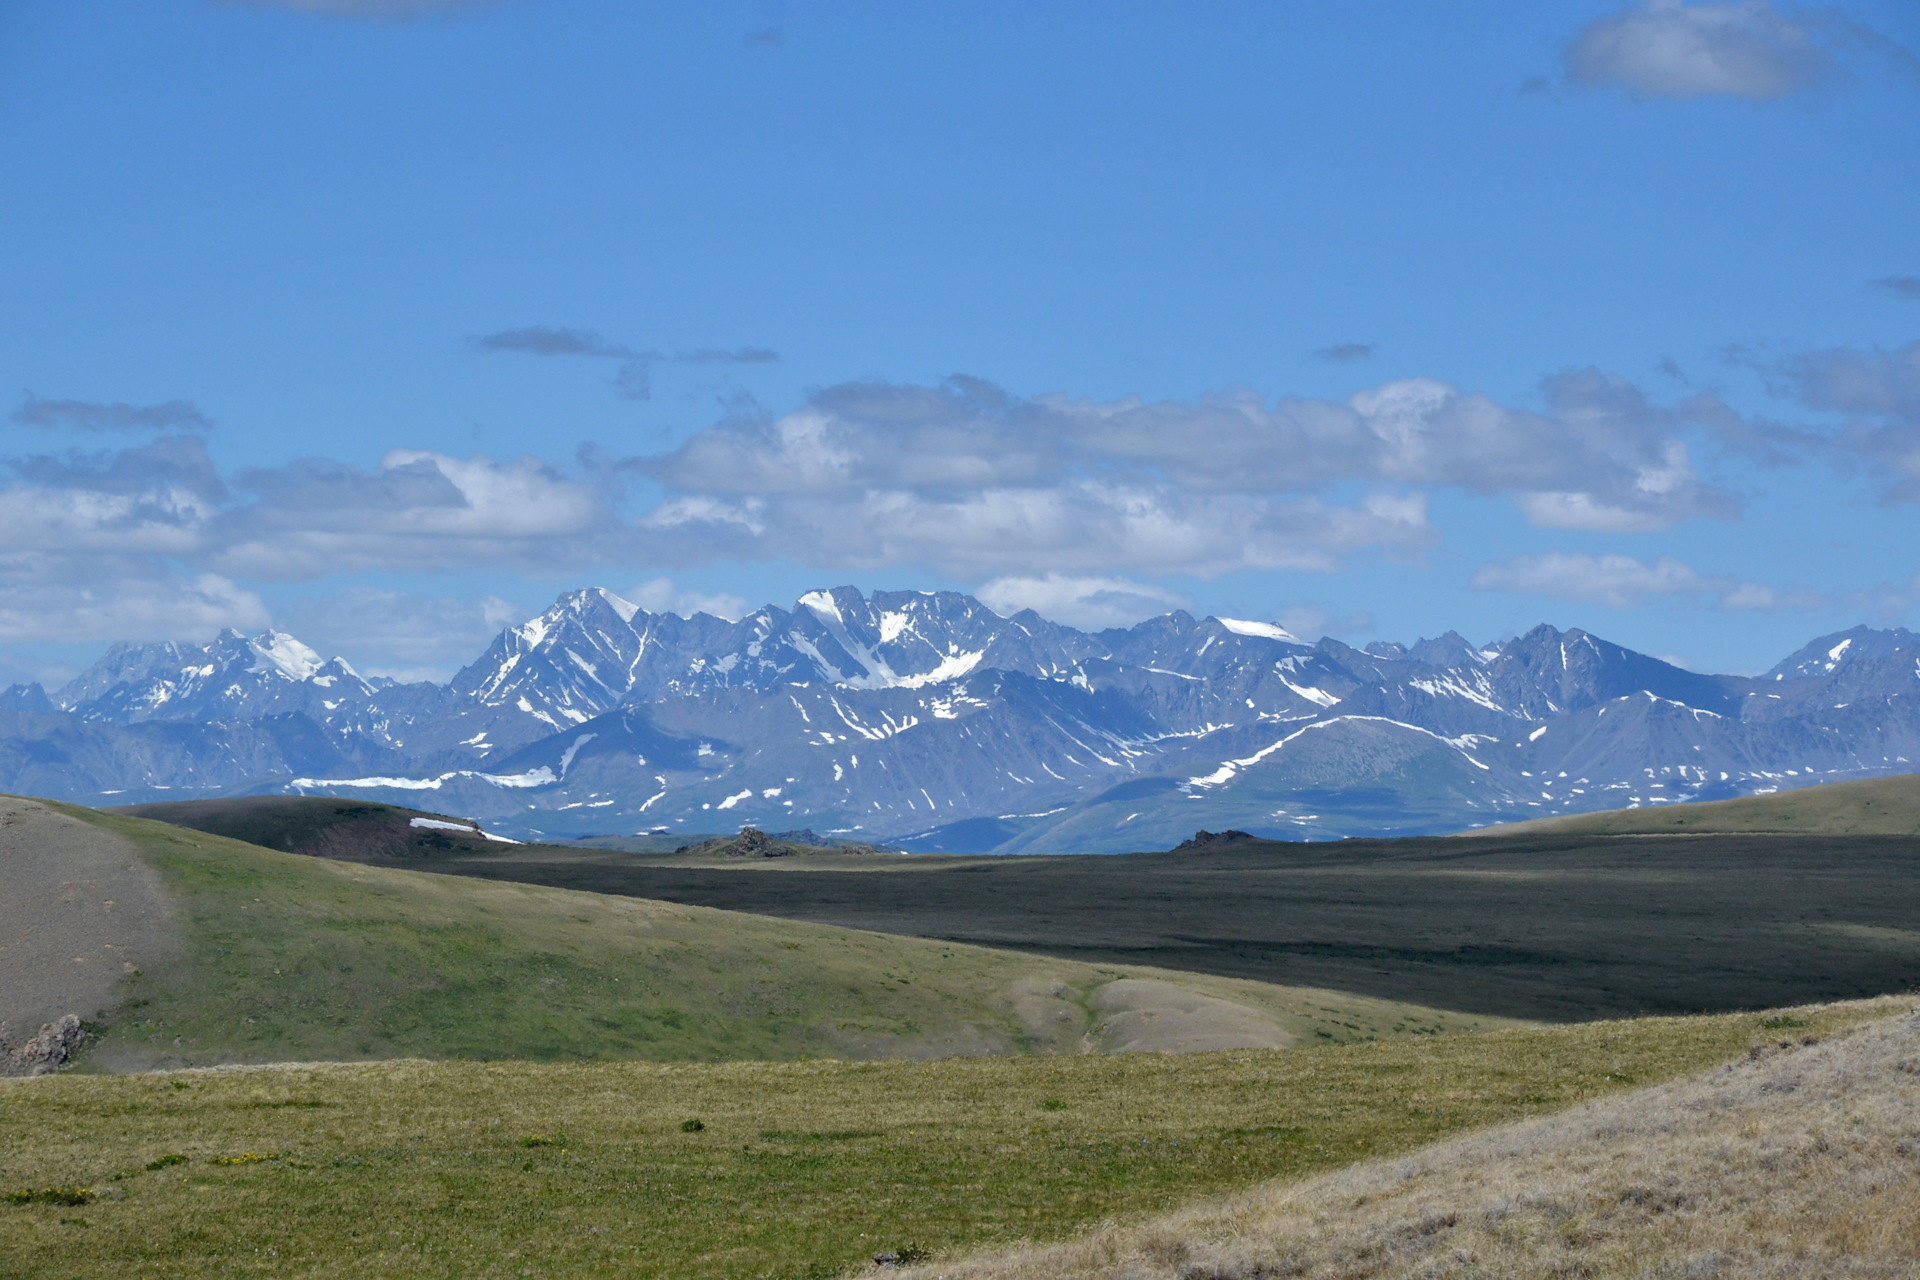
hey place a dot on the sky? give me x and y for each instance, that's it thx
(384, 322)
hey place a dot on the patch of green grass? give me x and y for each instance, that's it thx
(289, 958)
(52, 1195)
(802, 1168)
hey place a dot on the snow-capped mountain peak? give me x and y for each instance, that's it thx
(278, 651)
(902, 712)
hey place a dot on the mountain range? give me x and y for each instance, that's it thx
(927, 721)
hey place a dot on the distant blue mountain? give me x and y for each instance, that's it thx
(927, 720)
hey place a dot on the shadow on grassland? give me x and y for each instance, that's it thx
(1547, 926)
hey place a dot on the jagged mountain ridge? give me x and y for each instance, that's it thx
(928, 718)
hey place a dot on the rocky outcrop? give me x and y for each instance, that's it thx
(1202, 839)
(48, 1051)
(755, 843)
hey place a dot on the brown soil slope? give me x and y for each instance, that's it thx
(79, 910)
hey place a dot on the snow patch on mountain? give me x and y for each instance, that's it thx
(276, 650)
(1265, 630)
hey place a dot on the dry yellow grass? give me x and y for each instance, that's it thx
(1801, 1161)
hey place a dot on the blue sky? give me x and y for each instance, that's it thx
(386, 322)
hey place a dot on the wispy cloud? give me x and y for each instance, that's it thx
(541, 340)
(1622, 582)
(738, 355)
(1345, 352)
(1905, 286)
(366, 8)
(398, 634)
(1311, 622)
(1090, 603)
(42, 603)
(1876, 394)
(1669, 49)
(634, 381)
(662, 595)
(95, 415)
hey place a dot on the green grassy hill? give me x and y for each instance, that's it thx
(281, 957)
(797, 1171)
(1873, 806)
(1538, 925)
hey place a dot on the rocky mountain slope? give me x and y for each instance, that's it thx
(926, 719)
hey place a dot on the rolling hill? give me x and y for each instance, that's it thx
(273, 956)
(1536, 925)
(1871, 806)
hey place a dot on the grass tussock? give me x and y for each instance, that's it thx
(783, 1170)
(1801, 1159)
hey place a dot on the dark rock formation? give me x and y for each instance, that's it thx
(1201, 839)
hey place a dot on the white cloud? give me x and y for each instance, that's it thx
(1618, 582)
(1622, 582)
(974, 482)
(1584, 511)
(1667, 49)
(1090, 603)
(1078, 526)
(660, 595)
(398, 634)
(40, 606)
(419, 510)
(962, 480)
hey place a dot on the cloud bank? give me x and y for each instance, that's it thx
(1077, 508)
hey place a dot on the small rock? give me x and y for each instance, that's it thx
(48, 1051)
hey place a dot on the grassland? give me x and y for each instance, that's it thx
(1795, 1162)
(282, 957)
(796, 1169)
(1872, 806)
(1538, 926)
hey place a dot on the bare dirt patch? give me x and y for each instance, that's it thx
(1141, 1015)
(80, 912)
